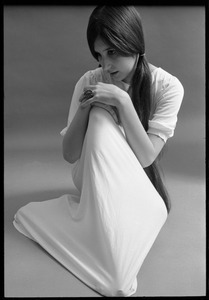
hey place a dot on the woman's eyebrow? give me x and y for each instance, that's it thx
(103, 50)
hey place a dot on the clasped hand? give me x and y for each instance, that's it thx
(105, 93)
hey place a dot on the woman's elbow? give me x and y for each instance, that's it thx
(148, 161)
(147, 164)
(68, 156)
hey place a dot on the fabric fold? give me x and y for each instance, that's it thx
(103, 232)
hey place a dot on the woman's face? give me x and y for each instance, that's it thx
(121, 68)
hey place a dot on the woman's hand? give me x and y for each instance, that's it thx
(105, 93)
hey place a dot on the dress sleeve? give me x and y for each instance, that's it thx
(78, 90)
(168, 102)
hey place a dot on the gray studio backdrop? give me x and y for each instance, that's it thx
(45, 53)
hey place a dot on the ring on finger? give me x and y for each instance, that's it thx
(88, 94)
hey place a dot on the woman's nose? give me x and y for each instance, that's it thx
(106, 65)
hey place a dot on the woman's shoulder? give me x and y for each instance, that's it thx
(159, 74)
(163, 80)
(92, 76)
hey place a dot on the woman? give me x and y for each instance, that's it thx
(121, 115)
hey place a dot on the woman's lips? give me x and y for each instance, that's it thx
(113, 73)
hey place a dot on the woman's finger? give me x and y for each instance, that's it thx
(87, 94)
(89, 87)
(87, 102)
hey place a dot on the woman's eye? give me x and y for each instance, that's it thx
(112, 52)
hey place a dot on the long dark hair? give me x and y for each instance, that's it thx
(121, 28)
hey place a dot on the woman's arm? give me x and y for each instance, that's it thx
(145, 146)
(73, 140)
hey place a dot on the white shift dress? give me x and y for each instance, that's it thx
(103, 231)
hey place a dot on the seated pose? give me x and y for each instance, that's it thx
(121, 115)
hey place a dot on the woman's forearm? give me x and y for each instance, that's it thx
(73, 140)
(136, 136)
